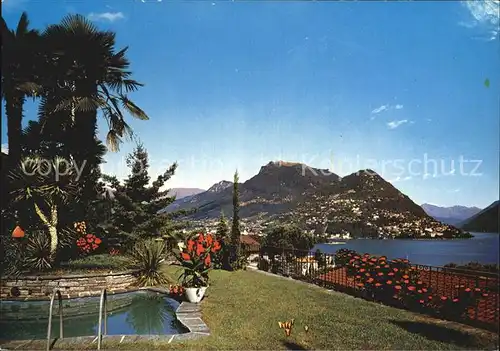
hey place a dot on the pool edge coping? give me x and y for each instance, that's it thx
(187, 313)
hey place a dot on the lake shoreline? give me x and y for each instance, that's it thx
(482, 248)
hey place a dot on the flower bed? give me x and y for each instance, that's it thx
(397, 282)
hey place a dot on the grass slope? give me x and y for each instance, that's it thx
(242, 310)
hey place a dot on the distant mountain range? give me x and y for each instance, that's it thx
(453, 215)
(269, 192)
(485, 221)
(363, 203)
(183, 192)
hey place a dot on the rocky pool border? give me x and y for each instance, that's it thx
(188, 314)
(39, 288)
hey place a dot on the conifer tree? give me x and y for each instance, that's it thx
(235, 229)
(136, 203)
(222, 228)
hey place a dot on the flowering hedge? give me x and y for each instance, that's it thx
(397, 281)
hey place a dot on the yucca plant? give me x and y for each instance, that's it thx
(38, 256)
(148, 256)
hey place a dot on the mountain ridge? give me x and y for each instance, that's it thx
(453, 215)
(485, 221)
(362, 202)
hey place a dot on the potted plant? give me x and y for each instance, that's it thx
(196, 260)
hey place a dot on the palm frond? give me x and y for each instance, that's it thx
(113, 141)
(133, 109)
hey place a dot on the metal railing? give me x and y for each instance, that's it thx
(49, 327)
(103, 311)
(323, 270)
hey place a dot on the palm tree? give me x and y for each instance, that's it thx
(19, 48)
(84, 75)
(87, 75)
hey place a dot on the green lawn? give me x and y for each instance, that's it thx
(242, 310)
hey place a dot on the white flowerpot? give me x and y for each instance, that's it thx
(195, 295)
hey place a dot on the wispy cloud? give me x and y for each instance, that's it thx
(380, 109)
(454, 190)
(386, 107)
(485, 15)
(106, 16)
(395, 124)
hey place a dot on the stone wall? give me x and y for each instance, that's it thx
(71, 286)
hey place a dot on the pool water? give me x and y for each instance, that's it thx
(136, 313)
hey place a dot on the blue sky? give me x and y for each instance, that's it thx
(339, 85)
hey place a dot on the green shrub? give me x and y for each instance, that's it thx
(147, 257)
(102, 261)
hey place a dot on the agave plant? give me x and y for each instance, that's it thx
(38, 252)
(148, 256)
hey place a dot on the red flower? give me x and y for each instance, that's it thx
(210, 240)
(389, 282)
(369, 280)
(380, 273)
(411, 288)
(390, 274)
(207, 261)
(98, 241)
(89, 235)
(406, 276)
(397, 287)
(429, 297)
(421, 301)
(360, 284)
(362, 270)
(216, 246)
(199, 249)
(455, 300)
(190, 245)
(406, 281)
(467, 290)
(477, 289)
(201, 238)
(424, 290)
(185, 256)
(485, 295)
(444, 298)
(395, 269)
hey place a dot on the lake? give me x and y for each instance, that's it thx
(482, 248)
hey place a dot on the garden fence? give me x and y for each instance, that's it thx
(321, 269)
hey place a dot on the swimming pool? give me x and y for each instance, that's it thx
(141, 312)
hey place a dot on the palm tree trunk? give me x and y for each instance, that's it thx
(14, 111)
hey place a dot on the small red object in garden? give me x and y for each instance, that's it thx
(18, 232)
(88, 242)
